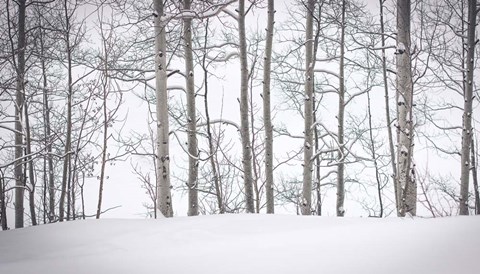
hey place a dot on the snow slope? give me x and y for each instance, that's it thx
(246, 244)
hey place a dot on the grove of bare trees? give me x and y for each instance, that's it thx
(314, 107)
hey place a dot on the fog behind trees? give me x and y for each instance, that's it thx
(346, 108)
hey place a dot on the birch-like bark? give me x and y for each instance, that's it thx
(191, 116)
(306, 202)
(387, 105)
(267, 119)
(467, 129)
(164, 199)
(405, 172)
(19, 104)
(340, 117)
(244, 125)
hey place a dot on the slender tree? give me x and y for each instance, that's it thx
(191, 115)
(316, 131)
(405, 172)
(267, 119)
(68, 142)
(244, 125)
(164, 199)
(213, 159)
(19, 105)
(306, 202)
(341, 119)
(475, 178)
(391, 145)
(29, 165)
(467, 130)
(105, 89)
(3, 203)
(49, 170)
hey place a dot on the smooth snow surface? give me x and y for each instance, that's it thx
(247, 244)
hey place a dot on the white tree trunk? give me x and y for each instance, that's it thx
(244, 126)
(164, 199)
(306, 202)
(468, 109)
(341, 115)
(191, 116)
(267, 119)
(405, 172)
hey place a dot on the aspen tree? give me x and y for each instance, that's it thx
(164, 199)
(467, 129)
(244, 122)
(306, 201)
(341, 121)
(267, 119)
(405, 172)
(191, 115)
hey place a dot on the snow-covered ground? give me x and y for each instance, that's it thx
(246, 244)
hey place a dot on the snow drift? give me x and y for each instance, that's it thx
(245, 244)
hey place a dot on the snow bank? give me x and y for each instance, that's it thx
(245, 244)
